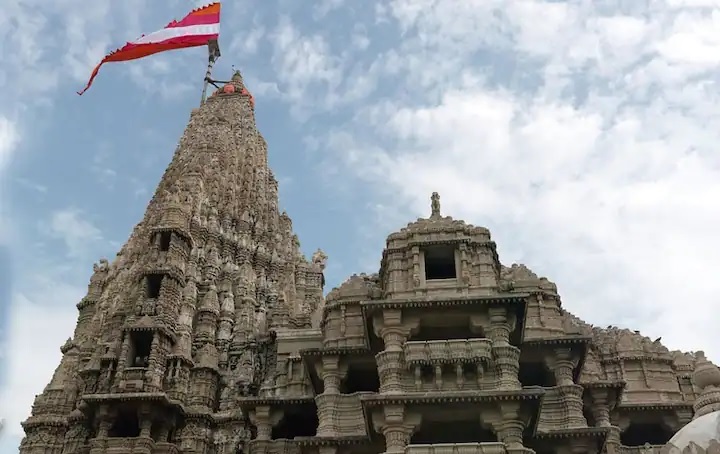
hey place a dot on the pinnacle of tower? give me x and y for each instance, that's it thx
(435, 206)
(207, 274)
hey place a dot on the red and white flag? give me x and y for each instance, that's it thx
(198, 28)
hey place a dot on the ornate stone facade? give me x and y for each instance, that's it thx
(209, 334)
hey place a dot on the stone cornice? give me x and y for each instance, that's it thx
(644, 406)
(452, 397)
(248, 403)
(334, 351)
(559, 340)
(503, 298)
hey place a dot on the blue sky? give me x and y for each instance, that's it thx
(583, 134)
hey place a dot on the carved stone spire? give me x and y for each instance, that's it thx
(168, 299)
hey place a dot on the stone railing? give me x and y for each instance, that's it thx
(274, 447)
(457, 448)
(111, 445)
(647, 449)
(448, 351)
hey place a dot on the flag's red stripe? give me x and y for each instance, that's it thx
(203, 16)
(134, 51)
(196, 19)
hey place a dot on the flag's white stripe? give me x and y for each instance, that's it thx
(176, 32)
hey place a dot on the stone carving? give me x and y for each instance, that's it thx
(232, 336)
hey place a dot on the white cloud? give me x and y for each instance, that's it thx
(32, 358)
(9, 138)
(74, 230)
(603, 174)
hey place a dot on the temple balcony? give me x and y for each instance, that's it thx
(457, 448)
(454, 351)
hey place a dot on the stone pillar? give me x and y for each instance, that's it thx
(396, 425)
(264, 419)
(394, 332)
(600, 408)
(563, 364)
(508, 425)
(332, 371)
(507, 357)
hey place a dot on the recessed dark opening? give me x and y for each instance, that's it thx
(360, 380)
(298, 423)
(153, 282)
(639, 434)
(435, 432)
(140, 345)
(440, 263)
(126, 425)
(535, 374)
(432, 333)
(164, 240)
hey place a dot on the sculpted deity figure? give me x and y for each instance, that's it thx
(319, 258)
(435, 205)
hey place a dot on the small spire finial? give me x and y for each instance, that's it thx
(435, 205)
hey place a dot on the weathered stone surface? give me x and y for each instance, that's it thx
(208, 333)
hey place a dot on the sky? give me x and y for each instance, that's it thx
(583, 134)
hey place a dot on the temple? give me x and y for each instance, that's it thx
(210, 334)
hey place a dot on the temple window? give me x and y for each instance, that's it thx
(140, 346)
(360, 379)
(535, 374)
(164, 241)
(153, 282)
(464, 431)
(126, 424)
(637, 434)
(440, 262)
(301, 422)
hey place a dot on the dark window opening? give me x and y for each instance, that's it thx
(440, 263)
(639, 434)
(432, 333)
(153, 284)
(589, 416)
(435, 432)
(535, 374)
(140, 345)
(427, 373)
(126, 425)
(296, 424)
(360, 380)
(164, 240)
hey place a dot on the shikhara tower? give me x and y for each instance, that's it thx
(209, 334)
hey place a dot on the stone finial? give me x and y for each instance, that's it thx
(319, 258)
(706, 377)
(435, 206)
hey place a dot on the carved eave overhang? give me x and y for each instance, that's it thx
(249, 403)
(200, 414)
(518, 300)
(44, 420)
(228, 416)
(93, 400)
(442, 397)
(164, 268)
(184, 358)
(334, 351)
(589, 435)
(635, 357)
(578, 344)
(655, 406)
(148, 323)
(352, 440)
(85, 302)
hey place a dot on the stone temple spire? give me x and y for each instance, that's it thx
(180, 322)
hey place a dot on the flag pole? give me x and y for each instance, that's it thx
(213, 55)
